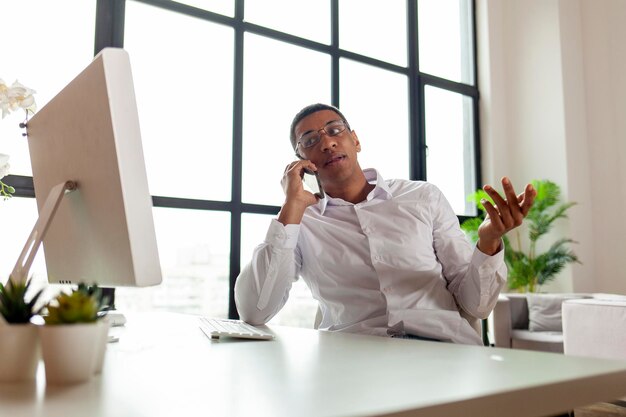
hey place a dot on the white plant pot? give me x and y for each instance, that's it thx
(69, 352)
(101, 344)
(19, 352)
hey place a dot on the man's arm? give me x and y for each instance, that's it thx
(476, 279)
(262, 287)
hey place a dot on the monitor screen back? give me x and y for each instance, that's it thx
(103, 232)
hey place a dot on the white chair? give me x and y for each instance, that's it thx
(595, 328)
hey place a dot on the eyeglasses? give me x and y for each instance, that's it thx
(312, 138)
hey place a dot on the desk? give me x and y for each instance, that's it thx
(163, 365)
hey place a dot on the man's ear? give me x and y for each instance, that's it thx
(357, 143)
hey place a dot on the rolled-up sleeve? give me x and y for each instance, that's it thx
(262, 287)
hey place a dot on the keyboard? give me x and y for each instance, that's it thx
(216, 328)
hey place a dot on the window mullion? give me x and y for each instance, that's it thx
(237, 163)
(417, 155)
(110, 16)
(334, 44)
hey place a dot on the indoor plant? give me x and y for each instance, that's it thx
(71, 337)
(528, 269)
(19, 341)
(103, 306)
(12, 98)
(95, 291)
(5, 189)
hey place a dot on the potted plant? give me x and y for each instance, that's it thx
(529, 269)
(103, 323)
(19, 341)
(71, 337)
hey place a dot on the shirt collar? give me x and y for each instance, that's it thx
(381, 191)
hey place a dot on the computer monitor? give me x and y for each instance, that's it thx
(103, 232)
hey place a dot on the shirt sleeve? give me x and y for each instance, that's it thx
(474, 278)
(262, 287)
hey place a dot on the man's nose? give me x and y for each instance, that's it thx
(327, 141)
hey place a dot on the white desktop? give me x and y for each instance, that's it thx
(163, 366)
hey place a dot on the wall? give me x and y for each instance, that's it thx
(552, 81)
(604, 49)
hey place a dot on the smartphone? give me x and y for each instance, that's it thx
(312, 182)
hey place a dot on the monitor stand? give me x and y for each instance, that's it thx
(26, 258)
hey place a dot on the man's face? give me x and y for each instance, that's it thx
(334, 156)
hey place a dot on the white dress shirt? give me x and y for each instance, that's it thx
(392, 264)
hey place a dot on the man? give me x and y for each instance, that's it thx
(382, 257)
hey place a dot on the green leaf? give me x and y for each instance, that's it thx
(548, 194)
(77, 307)
(14, 306)
(470, 227)
(554, 260)
(521, 271)
(95, 291)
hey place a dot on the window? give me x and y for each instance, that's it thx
(217, 83)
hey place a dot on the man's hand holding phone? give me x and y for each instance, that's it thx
(312, 182)
(297, 198)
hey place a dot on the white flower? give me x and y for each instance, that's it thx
(4, 165)
(12, 98)
(16, 96)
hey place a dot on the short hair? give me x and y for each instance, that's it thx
(310, 109)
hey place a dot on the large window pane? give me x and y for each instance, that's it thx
(183, 81)
(224, 7)
(308, 19)
(45, 44)
(374, 28)
(375, 102)
(279, 80)
(23, 215)
(194, 250)
(300, 309)
(450, 141)
(253, 230)
(445, 39)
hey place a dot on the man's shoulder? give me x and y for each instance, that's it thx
(399, 187)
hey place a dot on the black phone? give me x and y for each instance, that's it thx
(312, 182)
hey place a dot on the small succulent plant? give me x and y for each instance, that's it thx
(13, 305)
(76, 307)
(101, 298)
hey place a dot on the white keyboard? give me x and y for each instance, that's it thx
(216, 328)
